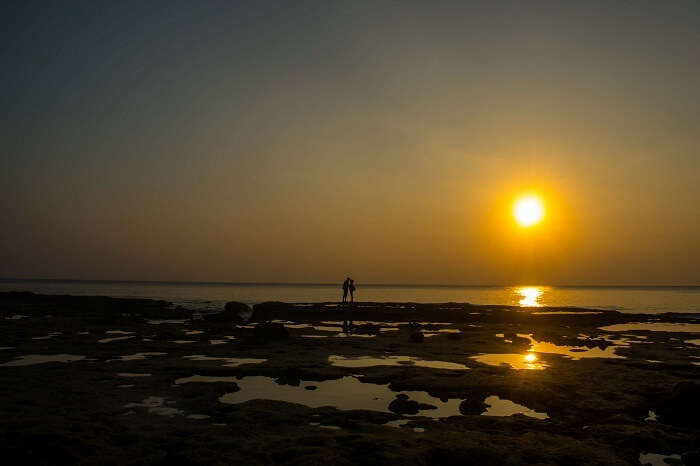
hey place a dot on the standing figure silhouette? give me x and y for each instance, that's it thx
(346, 286)
(351, 285)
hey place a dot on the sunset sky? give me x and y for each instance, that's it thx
(306, 141)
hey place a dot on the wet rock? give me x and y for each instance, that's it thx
(270, 331)
(595, 343)
(267, 310)
(602, 343)
(290, 376)
(292, 382)
(681, 406)
(458, 456)
(402, 405)
(233, 312)
(473, 406)
(367, 329)
(417, 337)
(236, 306)
(520, 341)
(691, 458)
(378, 379)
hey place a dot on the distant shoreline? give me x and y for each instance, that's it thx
(369, 285)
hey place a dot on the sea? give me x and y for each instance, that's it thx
(213, 296)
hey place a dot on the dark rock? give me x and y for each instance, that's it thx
(290, 376)
(519, 340)
(473, 406)
(311, 387)
(367, 329)
(454, 336)
(691, 458)
(378, 379)
(681, 407)
(417, 337)
(402, 405)
(447, 456)
(232, 306)
(267, 310)
(601, 343)
(270, 331)
(233, 312)
(292, 382)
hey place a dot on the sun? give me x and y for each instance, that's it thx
(528, 210)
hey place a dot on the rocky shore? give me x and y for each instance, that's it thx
(86, 380)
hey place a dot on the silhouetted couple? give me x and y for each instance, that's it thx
(348, 285)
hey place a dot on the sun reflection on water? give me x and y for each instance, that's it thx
(531, 361)
(528, 361)
(529, 296)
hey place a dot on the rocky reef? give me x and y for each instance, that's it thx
(86, 380)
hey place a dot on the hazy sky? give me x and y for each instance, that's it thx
(306, 141)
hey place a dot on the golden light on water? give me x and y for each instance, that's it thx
(528, 210)
(529, 296)
(530, 360)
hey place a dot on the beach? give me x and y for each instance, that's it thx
(119, 381)
(350, 233)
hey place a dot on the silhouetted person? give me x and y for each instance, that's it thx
(346, 287)
(351, 286)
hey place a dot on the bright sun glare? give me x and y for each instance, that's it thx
(529, 296)
(528, 210)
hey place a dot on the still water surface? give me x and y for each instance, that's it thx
(214, 295)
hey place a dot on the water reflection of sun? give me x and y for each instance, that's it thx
(531, 361)
(529, 296)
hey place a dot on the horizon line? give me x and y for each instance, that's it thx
(439, 285)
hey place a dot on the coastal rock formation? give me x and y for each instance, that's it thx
(691, 458)
(517, 340)
(290, 376)
(234, 312)
(596, 406)
(367, 329)
(682, 407)
(472, 406)
(417, 337)
(270, 331)
(402, 405)
(266, 311)
(90, 309)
